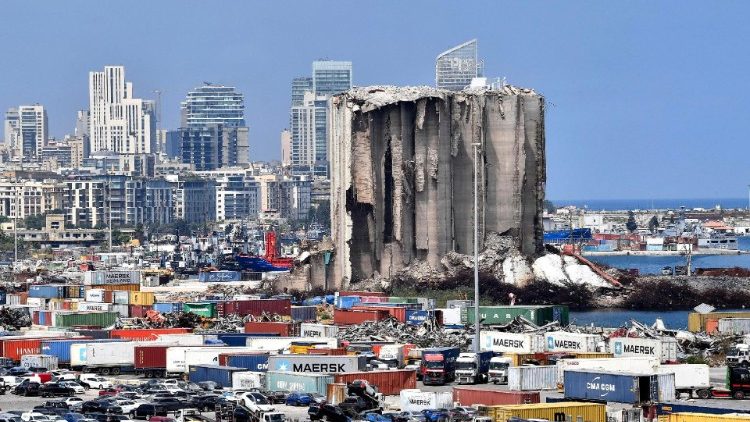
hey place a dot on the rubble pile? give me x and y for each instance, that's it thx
(14, 318)
(426, 335)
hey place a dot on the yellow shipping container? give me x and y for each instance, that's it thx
(705, 417)
(73, 305)
(141, 298)
(297, 349)
(697, 322)
(571, 411)
(519, 359)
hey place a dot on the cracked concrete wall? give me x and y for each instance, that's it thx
(402, 174)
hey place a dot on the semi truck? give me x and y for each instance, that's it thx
(392, 355)
(439, 365)
(739, 355)
(690, 379)
(498, 372)
(473, 368)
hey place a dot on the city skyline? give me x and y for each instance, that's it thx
(595, 74)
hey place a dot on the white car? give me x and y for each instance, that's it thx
(63, 375)
(73, 402)
(94, 381)
(256, 402)
(77, 388)
(127, 405)
(34, 416)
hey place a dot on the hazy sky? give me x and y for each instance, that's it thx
(646, 99)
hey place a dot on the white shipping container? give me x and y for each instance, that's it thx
(318, 330)
(111, 277)
(283, 343)
(664, 349)
(248, 380)
(13, 299)
(36, 302)
(39, 361)
(95, 295)
(121, 297)
(93, 306)
(667, 390)
(499, 342)
(78, 355)
(739, 326)
(647, 365)
(562, 341)
(688, 376)
(110, 354)
(451, 316)
(122, 310)
(180, 358)
(413, 400)
(527, 378)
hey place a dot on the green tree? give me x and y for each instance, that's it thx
(653, 224)
(34, 221)
(631, 225)
(119, 238)
(549, 206)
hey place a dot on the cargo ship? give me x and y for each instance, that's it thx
(271, 261)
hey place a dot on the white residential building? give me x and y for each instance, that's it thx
(237, 197)
(117, 121)
(26, 131)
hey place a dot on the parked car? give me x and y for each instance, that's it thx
(9, 417)
(77, 388)
(93, 381)
(145, 411)
(298, 399)
(100, 406)
(327, 412)
(203, 403)
(54, 389)
(275, 397)
(27, 388)
(462, 413)
(436, 415)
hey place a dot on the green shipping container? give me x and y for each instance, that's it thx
(207, 310)
(298, 382)
(91, 319)
(499, 315)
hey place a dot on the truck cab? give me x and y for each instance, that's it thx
(439, 365)
(739, 355)
(392, 355)
(498, 373)
(472, 368)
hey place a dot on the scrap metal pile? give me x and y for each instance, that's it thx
(14, 318)
(428, 334)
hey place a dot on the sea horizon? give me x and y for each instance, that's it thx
(648, 204)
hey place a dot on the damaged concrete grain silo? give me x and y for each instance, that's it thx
(402, 174)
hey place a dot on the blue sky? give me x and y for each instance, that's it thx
(646, 99)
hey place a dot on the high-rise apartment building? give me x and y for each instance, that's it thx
(308, 117)
(456, 67)
(286, 148)
(26, 131)
(117, 121)
(213, 132)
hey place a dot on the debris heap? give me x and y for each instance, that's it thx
(426, 335)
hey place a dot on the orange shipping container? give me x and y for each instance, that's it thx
(146, 334)
(395, 311)
(342, 317)
(113, 287)
(712, 325)
(388, 382)
(469, 396)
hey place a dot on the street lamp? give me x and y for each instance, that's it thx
(476, 247)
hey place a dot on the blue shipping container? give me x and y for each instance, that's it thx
(416, 316)
(611, 387)
(254, 363)
(240, 339)
(346, 302)
(669, 408)
(168, 307)
(221, 375)
(47, 291)
(304, 313)
(61, 348)
(219, 276)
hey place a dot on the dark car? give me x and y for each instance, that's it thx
(327, 412)
(462, 413)
(204, 403)
(209, 385)
(27, 388)
(18, 370)
(275, 397)
(436, 415)
(354, 405)
(73, 416)
(171, 404)
(100, 406)
(145, 411)
(52, 389)
(298, 399)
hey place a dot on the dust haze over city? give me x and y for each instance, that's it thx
(416, 211)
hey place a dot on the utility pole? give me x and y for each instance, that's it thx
(109, 207)
(15, 231)
(477, 347)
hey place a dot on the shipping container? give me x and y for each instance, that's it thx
(500, 342)
(221, 375)
(336, 393)
(95, 278)
(283, 329)
(697, 322)
(632, 364)
(318, 330)
(254, 362)
(396, 312)
(343, 317)
(146, 333)
(122, 310)
(206, 309)
(180, 358)
(85, 319)
(14, 347)
(327, 351)
(361, 293)
(561, 411)
(681, 407)
(39, 361)
(283, 343)
(501, 315)
(734, 326)
(298, 382)
(95, 333)
(246, 380)
(389, 383)
(419, 317)
(346, 302)
(46, 291)
(413, 400)
(94, 307)
(256, 307)
(550, 358)
(459, 303)
(617, 387)
(138, 311)
(304, 313)
(664, 349)
(316, 364)
(168, 307)
(121, 297)
(470, 396)
(219, 276)
(141, 298)
(563, 341)
(688, 377)
(706, 417)
(527, 378)
(240, 339)
(150, 360)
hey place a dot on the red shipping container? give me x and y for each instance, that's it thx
(256, 307)
(395, 311)
(15, 347)
(388, 382)
(358, 293)
(373, 299)
(150, 357)
(138, 311)
(342, 317)
(283, 329)
(146, 334)
(469, 396)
